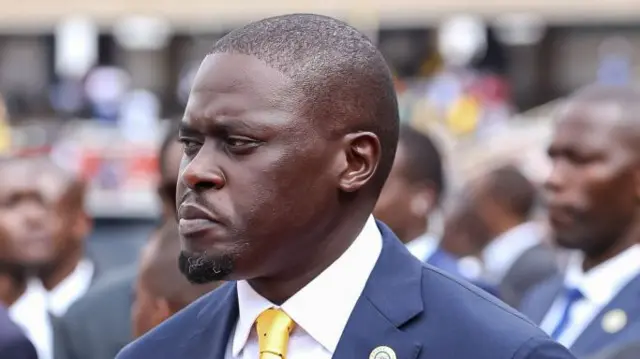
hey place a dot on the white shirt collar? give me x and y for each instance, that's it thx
(29, 312)
(74, 286)
(602, 283)
(322, 308)
(504, 250)
(423, 247)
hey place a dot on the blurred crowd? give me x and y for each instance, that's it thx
(564, 251)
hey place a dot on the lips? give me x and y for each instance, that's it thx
(194, 219)
(561, 216)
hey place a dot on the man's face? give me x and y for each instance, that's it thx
(256, 184)
(25, 230)
(591, 190)
(68, 220)
(147, 310)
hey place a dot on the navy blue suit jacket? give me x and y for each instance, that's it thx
(413, 308)
(13, 343)
(449, 264)
(594, 338)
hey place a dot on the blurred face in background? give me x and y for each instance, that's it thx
(405, 205)
(25, 230)
(592, 191)
(169, 180)
(70, 223)
(148, 309)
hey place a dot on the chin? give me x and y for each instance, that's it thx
(569, 242)
(203, 268)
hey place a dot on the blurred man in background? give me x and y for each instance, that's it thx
(593, 198)
(26, 246)
(69, 274)
(99, 325)
(13, 343)
(161, 290)
(514, 259)
(412, 193)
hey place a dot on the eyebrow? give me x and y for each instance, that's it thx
(223, 124)
(185, 129)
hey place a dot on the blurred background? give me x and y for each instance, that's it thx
(96, 84)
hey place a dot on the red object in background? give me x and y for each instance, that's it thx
(142, 167)
(90, 165)
(132, 168)
(33, 151)
(491, 90)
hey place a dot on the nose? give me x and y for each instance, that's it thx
(556, 179)
(35, 214)
(200, 175)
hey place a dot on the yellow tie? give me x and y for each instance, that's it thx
(273, 326)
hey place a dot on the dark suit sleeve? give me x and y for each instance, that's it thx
(543, 348)
(21, 348)
(62, 346)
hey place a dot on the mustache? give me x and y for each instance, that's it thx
(192, 198)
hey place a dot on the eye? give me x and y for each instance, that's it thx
(240, 144)
(190, 147)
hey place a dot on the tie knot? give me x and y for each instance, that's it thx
(273, 327)
(574, 295)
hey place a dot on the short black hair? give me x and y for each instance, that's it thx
(510, 188)
(342, 75)
(423, 159)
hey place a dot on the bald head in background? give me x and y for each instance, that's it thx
(65, 194)
(161, 290)
(593, 190)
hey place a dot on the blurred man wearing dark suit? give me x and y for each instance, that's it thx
(515, 259)
(594, 208)
(412, 194)
(13, 343)
(99, 324)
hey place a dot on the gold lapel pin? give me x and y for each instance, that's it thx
(382, 352)
(614, 320)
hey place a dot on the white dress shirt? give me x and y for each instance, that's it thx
(503, 252)
(31, 311)
(423, 247)
(320, 310)
(599, 286)
(72, 288)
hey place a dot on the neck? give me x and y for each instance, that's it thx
(311, 260)
(11, 289)
(625, 241)
(59, 271)
(504, 225)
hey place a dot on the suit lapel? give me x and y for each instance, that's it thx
(391, 298)
(216, 323)
(595, 337)
(548, 292)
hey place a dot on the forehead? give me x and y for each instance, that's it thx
(18, 176)
(592, 125)
(234, 85)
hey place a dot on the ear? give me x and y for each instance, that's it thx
(82, 225)
(360, 160)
